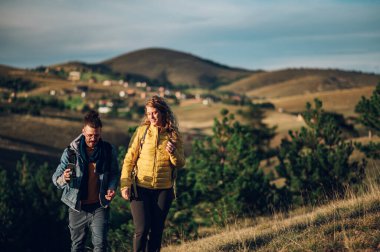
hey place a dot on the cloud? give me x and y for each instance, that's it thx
(233, 32)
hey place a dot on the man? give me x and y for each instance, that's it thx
(88, 174)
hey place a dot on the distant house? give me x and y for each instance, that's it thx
(236, 98)
(74, 76)
(107, 83)
(92, 80)
(105, 106)
(207, 101)
(131, 92)
(141, 84)
(104, 110)
(300, 118)
(105, 103)
(178, 94)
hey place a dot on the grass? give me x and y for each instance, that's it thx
(341, 101)
(351, 224)
(289, 82)
(194, 115)
(43, 138)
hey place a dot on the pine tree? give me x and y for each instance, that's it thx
(225, 174)
(369, 116)
(32, 216)
(315, 161)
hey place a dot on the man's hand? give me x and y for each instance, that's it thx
(126, 193)
(66, 175)
(110, 194)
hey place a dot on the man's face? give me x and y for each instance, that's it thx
(91, 135)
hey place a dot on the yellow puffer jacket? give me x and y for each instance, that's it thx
(155, 165)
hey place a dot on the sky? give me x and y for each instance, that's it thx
(250, 34)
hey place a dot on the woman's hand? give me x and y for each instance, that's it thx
(126, 193)
(170, 147)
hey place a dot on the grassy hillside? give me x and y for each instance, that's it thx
(290, 82)
(341, 101)
(345, 225)
(192, 115)
(43, 138)
(178, 68)
(5, 70)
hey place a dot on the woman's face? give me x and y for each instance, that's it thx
(154, 116)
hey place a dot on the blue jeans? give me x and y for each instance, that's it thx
(91, 216)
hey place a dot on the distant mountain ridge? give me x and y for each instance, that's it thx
(160, 66)
(177, 68)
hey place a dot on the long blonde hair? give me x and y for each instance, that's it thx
(169, 122)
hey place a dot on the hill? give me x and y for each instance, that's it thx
(345, 225)
(4, 70)
(177, 68)
(340, 101)
(83, 67)
(290, 82)
(8, 70)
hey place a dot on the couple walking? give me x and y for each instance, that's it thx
(89, 174)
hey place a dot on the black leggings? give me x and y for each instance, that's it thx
(149, 212)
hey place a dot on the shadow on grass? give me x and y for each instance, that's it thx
(249, 244)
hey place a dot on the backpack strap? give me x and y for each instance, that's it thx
(134, 171)
(72, 155)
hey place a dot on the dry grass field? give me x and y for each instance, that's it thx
(351, 224)
(193, 116)
(289, 82)
(341, 101)
(43, 138)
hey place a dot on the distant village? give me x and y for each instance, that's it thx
(130, 93)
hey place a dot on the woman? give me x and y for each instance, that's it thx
(157, 148)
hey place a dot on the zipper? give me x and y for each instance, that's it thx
(80, 165)
(155, 158)
(100, 190)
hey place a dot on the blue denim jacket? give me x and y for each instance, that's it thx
(70, 196)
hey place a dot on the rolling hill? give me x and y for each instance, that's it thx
(175, 67)
(8, 70)
(163, 66)
(291, 82)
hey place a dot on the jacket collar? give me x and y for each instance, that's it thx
(75, 143)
